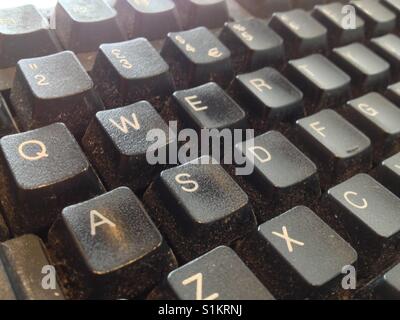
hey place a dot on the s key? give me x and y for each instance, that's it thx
(42, 171)
(338, 149)
(52, 89)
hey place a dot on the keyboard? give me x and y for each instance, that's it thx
(94, 94)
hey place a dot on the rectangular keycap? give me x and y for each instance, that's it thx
(389, 173)
(388, 47)
(393, 93)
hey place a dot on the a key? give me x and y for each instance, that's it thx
(4, 233)
(27, 265)
(7, 124)
(197, 57)
(217, 275)
(338, 148)
(198, 206)
(379, 119)
(324, 84)
(109, 247)
(393, 93)
(388, 286)
(116, 144)
(281, 177)
(388, 173)
(269, 97)
(24, 33)
(265, 8)
(388, 47)
(82, 25)
(208, 13)
(208, 106)
(131, 71)
(332, 16)
(299, 249)
(367, 211)
(378, 19)
(367, 70)
(253, 45)
(302, 33)
(151, 19)
(52, 89)
(6, 292)
(42, 171)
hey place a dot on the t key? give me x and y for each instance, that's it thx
(24, 33)
(337, 147)
(217, 275)
(131, 71)
(52, 89)
(116, 144)
(198, 206)
(82, 25)
(42, 171)
(106, 244)
(297, 248)
(389, 173)
(196, 56)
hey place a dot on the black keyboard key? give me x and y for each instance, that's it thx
(26, 262)
(388, 47)
(24, 33)
(110, 247)
(269, 97)
(151, 19)
(265, 8)
(196, 57)
(306, 4)
(7, 124)
(217, 275)
(368, 71)
(302, 33)
(367, 211)
(283, 176)
(388, 286)
(378, 19)
(52, 89)
(82, 25)
(332, 16)
(131, 71)
(208, 13)
(6, 292)
(379, 119)
(324, 84)
(253, 45)
(299, 249)
(393, 93)
(116, 144)
(388, 173)
(337, 147)
(42, 171)
(208, 106)
(198, 206)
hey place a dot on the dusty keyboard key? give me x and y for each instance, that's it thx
(198, 206)
(116, 144)
(265, 8)
(6, 292)
(26, 262)
(338, 148)
(388, 173)
(367, 70)
(299, 249)
(82, 25)
(52, 89)
(388, 286)
(302, 33)
(131, 71)
(24, 33)
(151, 19)
(379, 119)
(109, 247)
(42, 171)
(217, 275)
(196, 57)
(388, 47)
(324, 84)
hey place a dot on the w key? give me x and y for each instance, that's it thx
(52, 89)
(42, 171)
